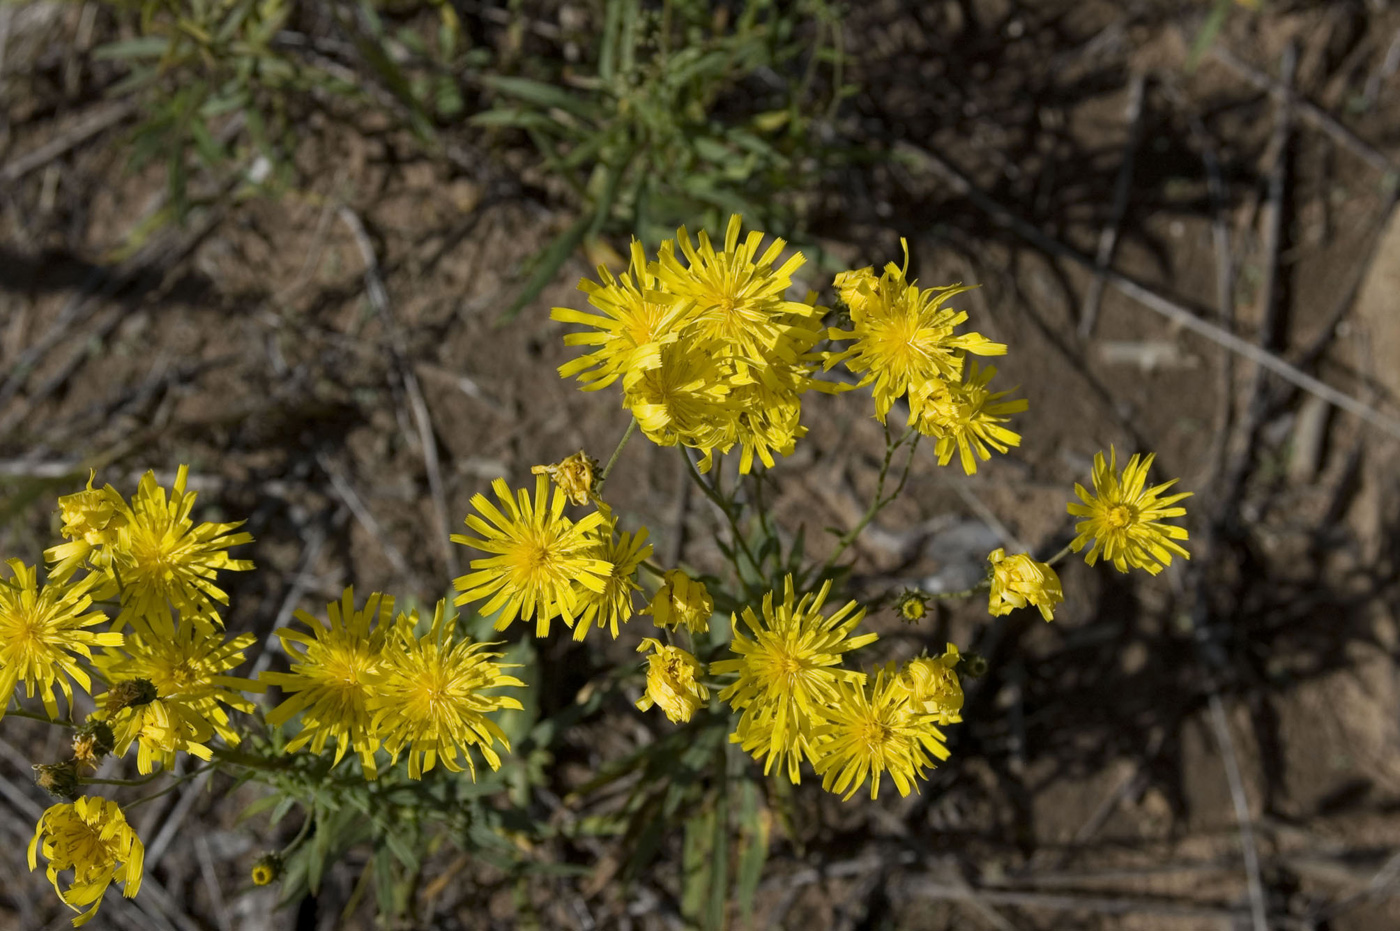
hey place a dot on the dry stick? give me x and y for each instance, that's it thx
(315, 541)
(379, 299)
(210, 873)
(1172, 310)
(1108, 238)
(1309, 112)
(81, 132)
(1376, 889)
(351, 499)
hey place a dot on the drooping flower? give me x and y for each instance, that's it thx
(433, 695)
(163, 558)
(575, 476)
(966, 416)
(681, 602)
(539, 557)
(92, 523)
(334, 670)
(673, 681)
(871, 729)
(637, 318)
(89, 836)
(625, 552)
(904, 337)
(1123, 518)
(1018, 581)
(932, 684)
(43, 635)
(788, 667)
(187, 663)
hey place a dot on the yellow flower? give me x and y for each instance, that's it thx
(187, 663)
(873, 730)
(266, 869)
(965, 416)
(932, 685)
(912, 606)
(334, 671)
(858, 288)
(42, 635)
(681, 602)
(904, 338)
(739, 296)
(575, 476)
(787, 671)
(89, 836)
(163, 557)
(613, 605)
(684, 399)
(638, 317)
(673, 681)
(540, 555)
(92, 520)
(430, 697)
(1018, 581)
(1124, 518)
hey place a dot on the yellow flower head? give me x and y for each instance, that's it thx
(43, 633)
(681, 602)
(163, 558)
(575, 476)
(904, 338)
(965, 417)
(871, 730)
(912, 606)
(266, 869)
(932, 685)
(334, 670)
(187, 663)
(787, 671)
(637, 318)
(739, 296)
(539, 556)
(673, 681)
(1018, 581)
(625, 552)
(1123, 518)
(92, 521)
(684, 399)
(430, 697)
(858, 288)
(89, 836)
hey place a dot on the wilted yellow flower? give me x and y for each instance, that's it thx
(903, 338)
(625, 552)
(932, 685)
(1123, 518)
(871, 730)
(1018, 581)
(89, 836)
(638, 317)
(187, 664)
(334, 671)
(92, 520)
(673, 681)
(681, 602)
(92, 741)
(430, 697)
(965, 417)
(575, 476)
(163, 558)
(787, 671)
(539, 557)
(43, 633)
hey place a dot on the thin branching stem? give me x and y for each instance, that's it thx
(612, 461)
(881, 500)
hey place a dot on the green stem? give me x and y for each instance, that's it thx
(653, 568)
(881, 500)
(174, 784)
(607, 469)
(33, 716)
(1059, 556)
(120, 782)
(725, 508)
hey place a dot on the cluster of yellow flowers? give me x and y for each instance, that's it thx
(165, 661)
(711, 354)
